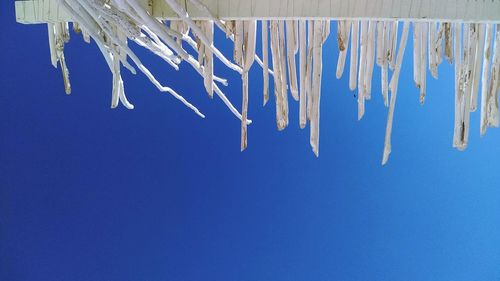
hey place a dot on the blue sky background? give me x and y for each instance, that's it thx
(90, 193)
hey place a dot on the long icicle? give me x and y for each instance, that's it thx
(343, 35)
(248, 58)
(476, 73)
(319, 39)
(385, 64)
(362, 69)
(265, 60)
(484, 79)
(370, 56)
(291, 45)
(394, 92)
(302, 74)
(494, 87)
(354, 55)
(458, 86)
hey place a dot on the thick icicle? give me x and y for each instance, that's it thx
(319, 38)
(281, 109)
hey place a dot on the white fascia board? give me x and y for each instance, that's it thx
(44, 11)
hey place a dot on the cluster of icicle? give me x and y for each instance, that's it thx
(111, 23)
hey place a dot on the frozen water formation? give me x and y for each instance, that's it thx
(373, 32)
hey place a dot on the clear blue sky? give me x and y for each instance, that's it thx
(90, 193)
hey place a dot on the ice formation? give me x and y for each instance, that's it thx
(474, 48)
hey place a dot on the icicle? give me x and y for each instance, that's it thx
(354, 56)
(432, 48)
(370, 56)
(291, 45)
(302, 74)
(61, 37)
(362, 69)
(238, 42)
(458, 130)
(265, 60)
(208, 79)
(320, 35)
(485, 97)
(394, 42)
(448, 46)
(476, 67)
(417, 37)
(118, 92)
(340, 35)
(380, 45)
(466, 75)
(278, 93)
(344, 32)
(385, 64)
(249, 32)
(282, 57)
(200, 47)
(438, 47)
(423, 61)
(52, 44)
(308, 82)
(494, 86)
(394, 89)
